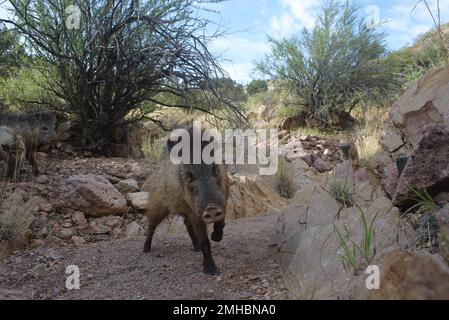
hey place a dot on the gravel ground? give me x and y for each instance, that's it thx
(119, 269)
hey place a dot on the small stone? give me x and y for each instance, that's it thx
(37, 243)
(127, 186)
(66, 233)
(99, 229)
(43, 233)
(79, 219)
(113, 222)
(139, 200)
(78, 241)
(46, 207)
(42, 179)
(322, 166)
(132, 229)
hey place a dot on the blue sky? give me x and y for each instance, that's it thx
(248, 22)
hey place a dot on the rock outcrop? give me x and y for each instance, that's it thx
(417, 131)
(428, 166)
(324, 251)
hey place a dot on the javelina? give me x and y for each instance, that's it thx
(35, 129)
(12, 150)
(197, 192)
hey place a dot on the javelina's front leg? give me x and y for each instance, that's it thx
(189, 228)
(200, 230)
(217, 234)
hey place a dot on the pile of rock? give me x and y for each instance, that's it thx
(320, 153)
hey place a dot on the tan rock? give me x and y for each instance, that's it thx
(411, 276)
(250, 196)
(93, 195)
(139, 200)
(127, 186)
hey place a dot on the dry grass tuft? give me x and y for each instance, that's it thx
(286, 187)
(368, 135)
(15, 220)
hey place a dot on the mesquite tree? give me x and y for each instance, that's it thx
(121, 57)
(333, 66)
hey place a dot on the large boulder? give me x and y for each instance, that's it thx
(93, 195)
(425, 103)
(417, 129)
(409, 275)
(427, 167)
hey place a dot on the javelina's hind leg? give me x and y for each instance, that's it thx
(189, 228)
(154, 220)
(200, 230)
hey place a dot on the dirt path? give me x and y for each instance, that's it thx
(119, 269)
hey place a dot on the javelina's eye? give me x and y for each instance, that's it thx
(45, 128)
(189, 177)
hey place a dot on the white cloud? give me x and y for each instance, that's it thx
(284, 25)
(304, 10)
(404, 24)
(239, 72)
(296, 15)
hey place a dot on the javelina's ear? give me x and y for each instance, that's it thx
(5, 147)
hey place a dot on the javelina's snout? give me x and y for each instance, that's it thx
(213, 214)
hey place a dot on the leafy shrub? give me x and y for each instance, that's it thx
(25, 89)
(257, 86)
(334, 66)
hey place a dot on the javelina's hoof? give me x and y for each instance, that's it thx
(147, 247)
(211, 270)
(216, 236)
